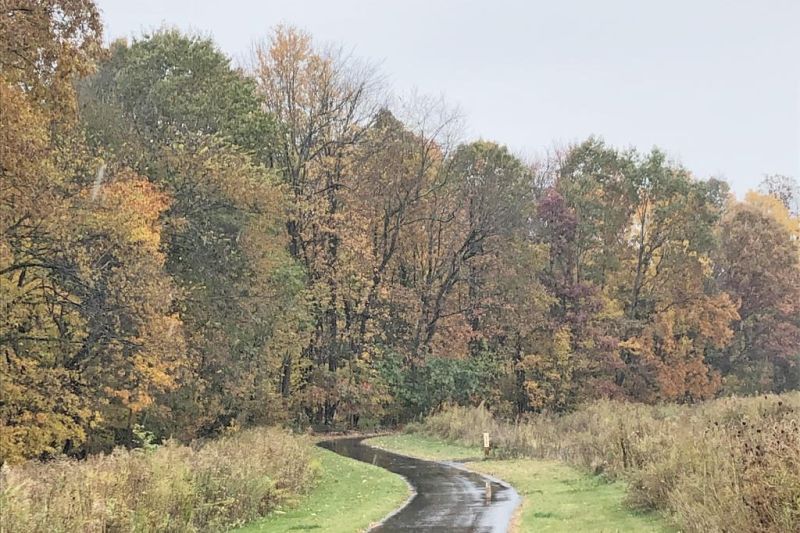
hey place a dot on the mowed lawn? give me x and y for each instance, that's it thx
(556, 497)
(349, 497)
(416, 445)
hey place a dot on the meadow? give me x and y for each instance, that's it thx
(731, 464)
(204, 487)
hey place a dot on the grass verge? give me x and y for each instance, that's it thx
(348, 497)
(556, 497)
(416, 445)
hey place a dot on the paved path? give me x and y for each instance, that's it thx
(448, 497)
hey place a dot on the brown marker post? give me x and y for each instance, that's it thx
(487, 444)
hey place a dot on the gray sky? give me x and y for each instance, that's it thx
(715, 83)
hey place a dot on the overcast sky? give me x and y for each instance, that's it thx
(715, 83)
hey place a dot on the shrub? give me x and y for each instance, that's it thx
(223, 483)
(440, 380)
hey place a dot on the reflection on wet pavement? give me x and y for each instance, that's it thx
(448, 498)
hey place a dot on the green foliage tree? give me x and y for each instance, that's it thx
(167, 85)
(171, 106)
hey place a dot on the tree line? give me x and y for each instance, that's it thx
(188, 247)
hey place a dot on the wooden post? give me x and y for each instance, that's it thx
(487, 444)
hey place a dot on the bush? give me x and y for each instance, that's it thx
(726, 465)
(224, 483)
(426, 387)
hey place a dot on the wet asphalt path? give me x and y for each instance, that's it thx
(448, 498)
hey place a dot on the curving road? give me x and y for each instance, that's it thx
(448, 498)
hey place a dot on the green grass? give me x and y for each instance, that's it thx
(416, 445)
(556, 497)
(350, 495)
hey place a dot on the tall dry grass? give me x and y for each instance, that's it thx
(213, 487)
(731, 464)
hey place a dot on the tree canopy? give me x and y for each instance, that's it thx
(187, 246)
